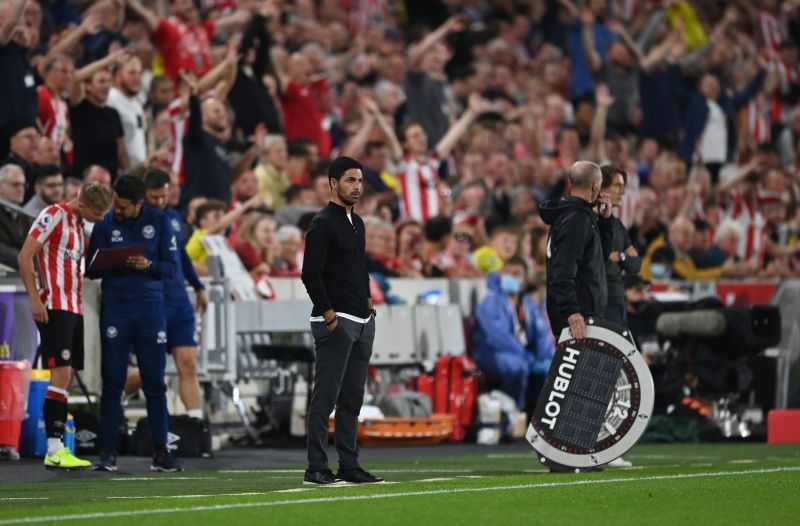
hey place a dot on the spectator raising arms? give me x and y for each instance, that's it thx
(183, 39)
(97, 131)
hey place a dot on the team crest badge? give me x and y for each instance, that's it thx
(111, 332)
(148, 232)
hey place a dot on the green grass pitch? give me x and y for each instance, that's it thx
(704, 484)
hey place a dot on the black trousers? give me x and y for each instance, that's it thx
(615, 311)
(340, 375)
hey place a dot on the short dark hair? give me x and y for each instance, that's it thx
(438, 227)
(60, 57)
(372, 146)
(404, 129)
(298, 147)
(516, 260)
(43, 171)
(609, 171)
(342, 164)
(321, 169)
(130, 187)
(206, 208)
(160, 79)
(701, 225)
(504, 229)
(295, 190)
(565, 129)
(155, 178)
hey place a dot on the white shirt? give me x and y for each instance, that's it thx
(134, 123)
(714, 141)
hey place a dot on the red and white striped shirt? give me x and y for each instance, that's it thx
(771, 30)
(789, 77)
(53, 115)
(59, 280)
(758, 119)
(748, 213)
(420, 185)
(178, 123)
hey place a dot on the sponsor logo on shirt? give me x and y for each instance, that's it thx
(162, 337)
(72, 255)
(116, 236)
(43, 222)
(148, 232)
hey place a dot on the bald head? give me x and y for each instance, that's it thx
(299, 67)
(681, 233)
(215, 118)
(584, 174)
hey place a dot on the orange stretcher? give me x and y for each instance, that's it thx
(396, 431)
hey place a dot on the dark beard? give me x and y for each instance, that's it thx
(345, 199)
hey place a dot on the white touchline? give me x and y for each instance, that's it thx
(24, 498)
(268, 471)
(251, 493)
(317, 500)
(129, 479)
(244, 494)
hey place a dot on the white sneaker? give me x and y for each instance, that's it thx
(619, 463)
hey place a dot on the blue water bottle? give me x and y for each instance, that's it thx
(69, 434)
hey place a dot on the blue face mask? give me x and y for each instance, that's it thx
(510, 284)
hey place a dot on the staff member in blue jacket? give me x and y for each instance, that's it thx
(179, 311)
(506, 336)
(132, 315)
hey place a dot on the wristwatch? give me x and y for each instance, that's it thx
(622, 256)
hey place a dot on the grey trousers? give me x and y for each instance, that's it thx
(340, 375)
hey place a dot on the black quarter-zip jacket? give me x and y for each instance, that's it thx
(334, 263)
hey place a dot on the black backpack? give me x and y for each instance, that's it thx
(187, 437)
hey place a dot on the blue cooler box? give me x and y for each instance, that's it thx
(33, 440)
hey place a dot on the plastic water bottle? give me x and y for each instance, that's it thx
(69, 434)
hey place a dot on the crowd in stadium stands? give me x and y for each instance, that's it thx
(465, 113)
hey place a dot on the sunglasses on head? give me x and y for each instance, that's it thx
(463, 237)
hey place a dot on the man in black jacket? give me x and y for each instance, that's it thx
(622, 254)
(576, 253)
(343, 325)
(208, 163)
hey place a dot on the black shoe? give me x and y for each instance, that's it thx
(321, 478)
(165, 462)
(358, 476)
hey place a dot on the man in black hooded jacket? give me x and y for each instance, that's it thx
(577, 250)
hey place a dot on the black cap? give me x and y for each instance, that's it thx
(17, 126)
